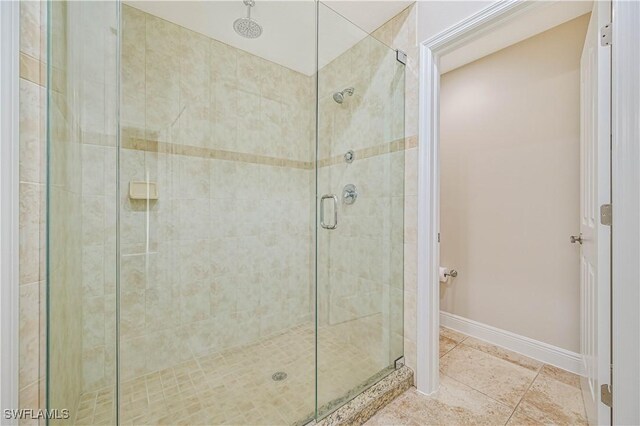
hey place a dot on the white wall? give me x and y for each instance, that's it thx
(510, 188)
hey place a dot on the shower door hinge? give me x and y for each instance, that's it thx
(398, 363)
(401, 57)
(438, 237)
(605, 35)
(606, 213)
(606, 395)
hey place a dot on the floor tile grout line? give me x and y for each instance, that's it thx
(492, 398)
(584, 406)
(525, 393)
(538, 369)
(488, 396)
(464, 336)
(447, 352)
(481, 392)
(454, 346)
(477, 390)
(501, 359)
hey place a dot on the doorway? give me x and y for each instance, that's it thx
(469, 38)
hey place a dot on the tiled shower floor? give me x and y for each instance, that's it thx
(236, 386)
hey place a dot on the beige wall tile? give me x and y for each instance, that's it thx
(30, 28)
(29, 230)
(29, 334)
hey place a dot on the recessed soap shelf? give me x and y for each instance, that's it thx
(143, 190)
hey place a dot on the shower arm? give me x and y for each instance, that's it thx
(250, 4)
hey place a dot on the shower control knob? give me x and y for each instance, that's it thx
(349, 156)
(349, 194)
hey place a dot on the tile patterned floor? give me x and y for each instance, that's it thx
(235, 387)
(482, 384)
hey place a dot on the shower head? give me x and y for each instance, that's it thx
(339, 96)
(247, 27)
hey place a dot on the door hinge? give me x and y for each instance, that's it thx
(606, 213)
(401, 57)
(605, 35)
(606, 396)
(438, 237)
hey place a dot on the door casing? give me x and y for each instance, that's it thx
(9, 206)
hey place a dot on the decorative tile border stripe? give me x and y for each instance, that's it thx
(35, 71)
(364, 406)
(385, 148)
(32, 69)
(142, 144)
(411, 142)
(132, 140)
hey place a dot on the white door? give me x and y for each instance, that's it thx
(595, 190)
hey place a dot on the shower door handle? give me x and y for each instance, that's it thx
(335, 211)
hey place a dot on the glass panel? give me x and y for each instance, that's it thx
(217, 292)
(185, 210)
(81, 209)
(360, 261)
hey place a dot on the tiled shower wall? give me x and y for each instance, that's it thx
(223, 257)
(143, 127)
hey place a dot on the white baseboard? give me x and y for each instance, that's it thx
(535, 349)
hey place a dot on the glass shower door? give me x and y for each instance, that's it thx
(82, 130)
(360, 193)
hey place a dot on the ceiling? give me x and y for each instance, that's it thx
(288, 36)
(544, 16)
(366, 14)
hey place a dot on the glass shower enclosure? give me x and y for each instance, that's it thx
(225, 213)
